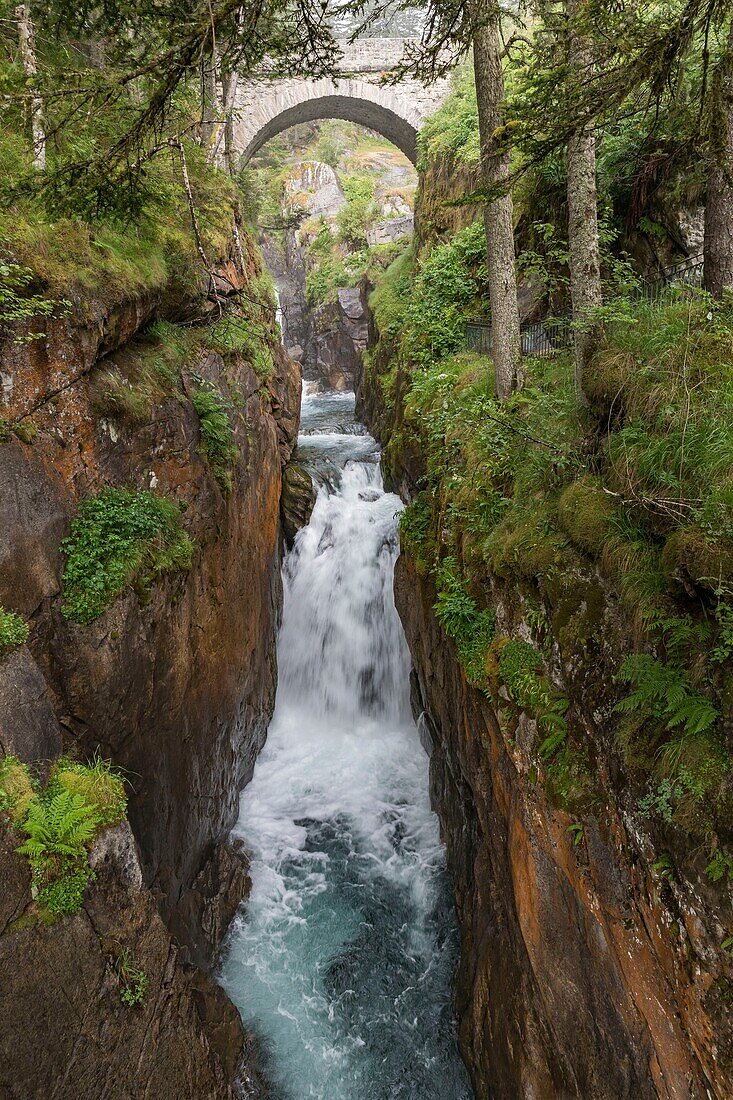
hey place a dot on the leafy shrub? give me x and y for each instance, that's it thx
(16, 789)
(217, 434)
(451, 278)
(330, 145)
(18, 304)
(360, 209)
(322, 281)
(14, 631)
(471, 629)
(117, 537)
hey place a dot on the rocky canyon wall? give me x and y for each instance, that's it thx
(174, 683)
(588, 968)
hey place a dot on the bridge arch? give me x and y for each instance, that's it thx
(265, 107)
(353, 101)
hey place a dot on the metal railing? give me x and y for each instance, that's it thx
(554, 333)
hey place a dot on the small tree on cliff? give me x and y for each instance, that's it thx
(119, 81)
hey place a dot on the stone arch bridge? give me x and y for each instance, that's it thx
(263, 108)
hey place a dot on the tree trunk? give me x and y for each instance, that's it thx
(229, 87)
(583, 242)
(718, 273)
(28, 55)
(499, 216)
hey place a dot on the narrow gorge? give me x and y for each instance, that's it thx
(366, 551)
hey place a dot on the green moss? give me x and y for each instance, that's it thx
(587, 515)
(98, 784)
(570, 781)
(14, 631)
(16, 788)
(119, 537)
(157, 252)
(217, 434)
(26, 431)
(691, 553)
(526, 544)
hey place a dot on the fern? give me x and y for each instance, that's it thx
(60, 826)
(664, 693)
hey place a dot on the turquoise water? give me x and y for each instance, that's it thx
(343, 958)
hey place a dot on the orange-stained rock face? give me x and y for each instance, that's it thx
(582, 973)
(175, 687)
(178, 691)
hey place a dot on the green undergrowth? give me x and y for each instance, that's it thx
(451, 133)
(134, 982)
(120, 538)
(14, 631)
(150, 369)
(217, 434)
(60, 823)
(72, 254)
(543, 496)
(146, 373)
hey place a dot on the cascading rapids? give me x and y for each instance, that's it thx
(344, 956)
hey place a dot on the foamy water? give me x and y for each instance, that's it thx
(343, 957)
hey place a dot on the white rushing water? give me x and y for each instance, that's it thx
(343, 958)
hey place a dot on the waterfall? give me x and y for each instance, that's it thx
(343, 957)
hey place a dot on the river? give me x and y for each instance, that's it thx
(343, 958)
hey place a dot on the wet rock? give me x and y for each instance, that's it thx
(175, 685)
(298, 498)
